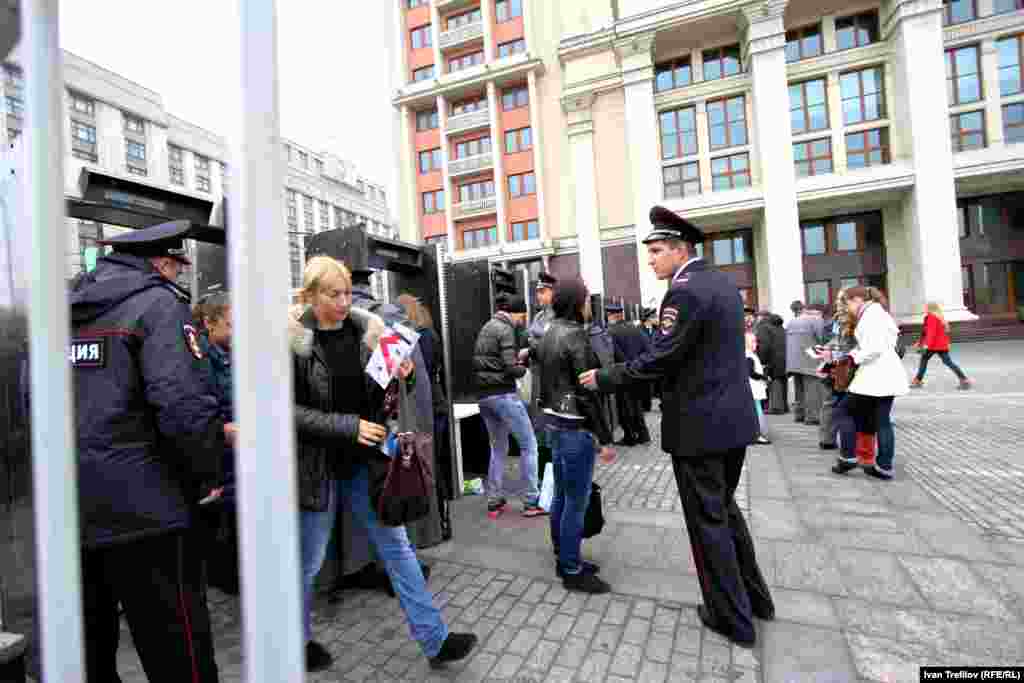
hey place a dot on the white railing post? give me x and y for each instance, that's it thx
(54, 471)
(265, 460)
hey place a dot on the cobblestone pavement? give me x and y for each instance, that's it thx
(870, 579)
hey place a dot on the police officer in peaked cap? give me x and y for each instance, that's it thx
(150, 444)
(708, 419)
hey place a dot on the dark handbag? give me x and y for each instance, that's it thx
(409, 485)
(593, 521)
(842, 372)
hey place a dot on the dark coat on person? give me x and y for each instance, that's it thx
(629, 340)
(495, 362)
(150, 436)
(699, 353)
(771, 346)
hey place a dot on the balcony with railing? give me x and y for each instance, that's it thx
(461, 35)
(475, 207)
(446, 6)
(470, 121)
(473, 164)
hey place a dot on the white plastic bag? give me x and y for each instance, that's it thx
(547, 487)
(524, 385)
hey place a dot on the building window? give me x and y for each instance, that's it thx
(133, 124)
(465, 61)
(1002, 6)
(482, 237)
(967, 131)
(867, 148)
(318, 167)
(473, 16)
(814, 240)
(720, 62)
(339, 217)
(729, 250)
(819, 293)
(682, 180)
(848, 282)
(303, 160)
(472, 148)
(730, 172)
(515, 98)
(505, 10)
(431, 160)
(1013, 123)
(958, 11)
(522, 185)
(426, 120)
(467, 106)
(307, 212)
(421, 37)
(135, 156)
(325, 216)
(513, 47)
(857, 31)
(727, 122)
(847, 236)
(808, 106)
(526, 230)
(433, 202)
(863, 95)
(83, 141)
(674, 74)
(471, 192)
(176, 164)
(202, 173)
(295, 259)
(89, 234)
(813, 158)
(803, 42)
(678, 133)
(1011, 55)
(15, 106)
(80, 104)
(963, 75)
(424, 73)
(518, 140)
(291, 202)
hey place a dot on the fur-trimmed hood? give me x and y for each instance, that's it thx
(302, 324)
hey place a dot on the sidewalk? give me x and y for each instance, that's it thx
(870, 579)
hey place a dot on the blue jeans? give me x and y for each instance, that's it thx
(572, 455)
(944, 357)
(873, 415)
(842, 422)
(761, 425)
(392, 545)
(503, 415)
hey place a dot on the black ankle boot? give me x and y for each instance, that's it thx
(456, 646)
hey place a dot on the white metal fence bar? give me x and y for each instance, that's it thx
(258, 253)
(58, 568)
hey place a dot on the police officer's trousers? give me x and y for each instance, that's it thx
(723, 551)
(158, 581)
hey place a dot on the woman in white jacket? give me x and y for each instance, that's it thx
(879, 378)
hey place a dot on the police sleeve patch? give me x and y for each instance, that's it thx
(192, 341)
(668, 319)
(88, 353)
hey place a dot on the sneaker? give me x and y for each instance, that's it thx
(762, 440)
(965, 384)
(828, 446)
(916, 384)
(585, 583)
(843, 468)
(496, 507)
(533, 510)
(317, 657)
(585, 568)
(456, 646)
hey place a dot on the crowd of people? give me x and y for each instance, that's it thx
(156, 428)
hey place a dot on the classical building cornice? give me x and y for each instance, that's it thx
(996, 24)
(763, 27)
(896, 11)
(425, 91)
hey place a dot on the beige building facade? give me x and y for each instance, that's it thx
(818, 145)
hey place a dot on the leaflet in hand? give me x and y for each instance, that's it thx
(395, 346)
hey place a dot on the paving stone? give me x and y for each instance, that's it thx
(500, 607)
(687, 640)
(619, 679)
(949, 537)
(795, 653)
(556, 595)
(747, 658)
(949, 585)
(653, 672)
(803, 607)
(518, 615)
(594, 668)
(573, 652)
(559, 627)
(542, 615)
(617, 612)
(573, 603)
(500, 639)
(536, 592)
(542, 656)
(560, 674)
(507, 667)
(665, 619)
(1006, 582)
(777, 519)
(587, 624)
(598, 603)
(876, 577)
(811, 567)
(881, 659)
(525, 641)
(715, 657)
(518, 586)
(607, 638)
(492, 590)
(636, 631)
(659, 647)
(627, 660)
(684, 668)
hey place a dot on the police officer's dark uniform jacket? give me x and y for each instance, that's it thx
(708, 421)
(150, 443)
(630, 343)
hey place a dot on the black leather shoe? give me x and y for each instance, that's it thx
(765, 613)
(827, 446)
(585, 568)
(585, 583)
(317, 657)
(709, 621)
(842, 468)
(456, 646)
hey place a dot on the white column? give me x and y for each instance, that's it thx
(487, 12)
(579, 112)
(498, 148)
(54, 456)
(914, 28)
(435, 29)
(538, 154)
(408, 202)
(990, 89)
(449, 189)
(642, 141)
(265, 450)
(764, 49)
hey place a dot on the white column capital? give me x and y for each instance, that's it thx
(636, 58)
(763, 27)
(894, 12)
